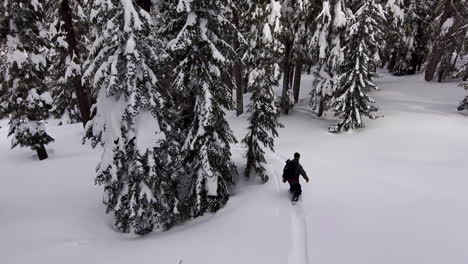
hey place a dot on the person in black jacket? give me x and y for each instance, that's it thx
(292, 171)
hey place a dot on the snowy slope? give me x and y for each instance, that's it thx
(392, 193)
(395, 192)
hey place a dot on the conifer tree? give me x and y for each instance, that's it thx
(263, 53)
(131, 120)
(240, 69)
(3, 34)
(351, 101)
(3, 101)
(449, 34)
(394, 28)
(328, 40)
(27, 99)
(71, 97)
(202, 58)
(295, 22)
(463, 73)
(409, 36)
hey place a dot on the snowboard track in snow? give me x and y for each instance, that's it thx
(299, 249)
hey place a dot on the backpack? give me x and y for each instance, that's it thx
(289, 171)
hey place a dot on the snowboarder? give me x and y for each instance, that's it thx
(291, 173)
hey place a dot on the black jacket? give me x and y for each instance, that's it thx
(299, 171)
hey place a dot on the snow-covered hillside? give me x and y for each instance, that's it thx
(394, 193)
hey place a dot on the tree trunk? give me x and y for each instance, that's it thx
(456, 58)
(434, 60)
(240, 91)
(286, 71)
(438, 49)
(292, 74)
(414, 64)
(81, 91)
(321, 106)
(250, 157)
(237, 70)
(42, 153)
(145, 4)
(297, 81)
(245, 81)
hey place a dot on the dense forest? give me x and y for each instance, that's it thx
(151, 80)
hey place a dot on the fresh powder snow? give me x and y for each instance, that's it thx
(404, 202)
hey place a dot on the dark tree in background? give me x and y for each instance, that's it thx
(198, 32)
(351, 101)
(463, 74)
(328, 41)
(449, 35)
(263, 52)
(72, 99)
(27, 99)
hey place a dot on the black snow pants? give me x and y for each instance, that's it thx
(295, 189)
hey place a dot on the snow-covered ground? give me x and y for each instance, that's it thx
(393, 193)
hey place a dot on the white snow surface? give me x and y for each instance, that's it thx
(395, 192)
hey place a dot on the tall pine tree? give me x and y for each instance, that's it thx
(351, 101)
(463, 73)
(71, 97)
(328, 41)
(198, 31)
(3, 101)
(409, 38)
(27, 98)
(263, 53)
(294, 15)
(449, 34)
(131, 120)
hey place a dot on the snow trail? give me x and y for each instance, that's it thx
(298, 252)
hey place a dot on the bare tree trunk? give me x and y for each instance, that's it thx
(245, 81)
(286, 75)
(41, 152)
(237, 71)
(321, 107)
(81, 91)
(438, 49)
(292, 70)
(456, 57)
(240, 89)
(145, 4)
(297, 80)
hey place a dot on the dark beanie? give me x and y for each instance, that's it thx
(297, 155)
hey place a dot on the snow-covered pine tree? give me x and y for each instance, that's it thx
(131, 120)
(409, 38)
(202, 58)
(449, 34)
(27, 98)
(3, 101)
(240, 69)
(298, 23)
(65, 105)
(263, 52)
(328, 40)
(463, 74)
(71, 97)
(3, 34)
(394, 33)
(351, 101)
(294, 20)
(375, 21)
